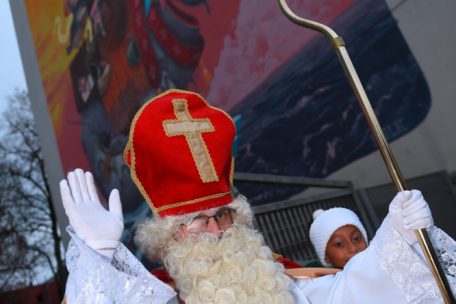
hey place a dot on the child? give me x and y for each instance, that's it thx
(337, 235)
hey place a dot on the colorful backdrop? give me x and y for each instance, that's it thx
(101, 60)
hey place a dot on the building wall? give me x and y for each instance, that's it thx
(429, 28)
(427, 148)
(44, 293)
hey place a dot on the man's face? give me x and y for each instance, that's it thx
(214, 221)
(344, 243)
(222, 262)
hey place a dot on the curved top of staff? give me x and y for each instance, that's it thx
(336, 40)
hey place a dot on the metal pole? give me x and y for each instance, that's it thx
(388, 157)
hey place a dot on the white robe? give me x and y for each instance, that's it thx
(388, 271)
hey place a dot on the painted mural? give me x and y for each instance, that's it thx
(101, 60)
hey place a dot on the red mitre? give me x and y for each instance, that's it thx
(179, 153)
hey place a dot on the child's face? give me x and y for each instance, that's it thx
(344, 243)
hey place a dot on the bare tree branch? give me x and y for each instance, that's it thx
(29, 237)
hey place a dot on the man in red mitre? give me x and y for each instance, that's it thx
(180, 157)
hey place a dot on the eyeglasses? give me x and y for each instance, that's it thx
(223, 217)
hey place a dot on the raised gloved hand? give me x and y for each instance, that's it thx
(410, 211)
(97, 227)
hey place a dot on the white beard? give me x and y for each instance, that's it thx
(238, 268)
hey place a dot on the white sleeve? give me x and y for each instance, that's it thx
(95, 279)
(388, 271)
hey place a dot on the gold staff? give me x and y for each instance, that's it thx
(339, 46)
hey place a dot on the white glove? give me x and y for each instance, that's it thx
(97, 227)
(409, 211)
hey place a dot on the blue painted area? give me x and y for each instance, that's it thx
(237, 122)
(304, 120)
(147, 4)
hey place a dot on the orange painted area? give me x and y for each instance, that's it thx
(47, 22)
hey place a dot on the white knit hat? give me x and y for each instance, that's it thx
(326, 222)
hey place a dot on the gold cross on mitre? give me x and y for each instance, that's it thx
(192, 129)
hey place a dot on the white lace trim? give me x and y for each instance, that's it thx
(407, 269)
(95, 279)
(445, 248)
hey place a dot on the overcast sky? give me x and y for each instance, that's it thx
(11, 71)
